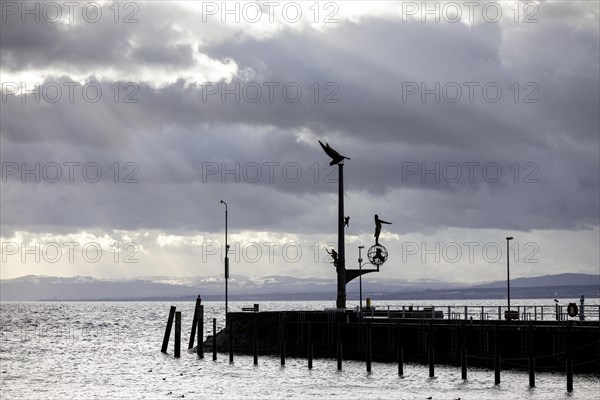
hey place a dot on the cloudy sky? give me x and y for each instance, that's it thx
(122, 128)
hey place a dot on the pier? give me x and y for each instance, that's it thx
(422, 335)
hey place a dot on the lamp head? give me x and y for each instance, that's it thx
(509, 238)
(361, 247)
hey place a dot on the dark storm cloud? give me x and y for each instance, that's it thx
(173, 133)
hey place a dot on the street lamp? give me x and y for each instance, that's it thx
(226, 261)
(360, 260)
(508, 239)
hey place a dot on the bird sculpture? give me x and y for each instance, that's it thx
(336, 157)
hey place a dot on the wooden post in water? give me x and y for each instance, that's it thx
(177, 334)
(531, 358)
(339, 356)
(430, 351)
(310, 348)
(430, 356)
(200, 330)
(463, 353)
(400, 356)
(569, 361)
(368, 347)
(255, 344)
(214, 339)
(231, 342)
(497, 369)
(165, 343)
(400, 351)
(282, 339)
(570, 375)
(496, 356)
(463, 364)
(194, 323)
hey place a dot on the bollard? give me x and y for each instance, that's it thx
(339, 356)
(177, 334)
(231, 343)
(214, 339)
(165, 343)
(463, 364)
(310, 356)
(400, 356)
(570, 375)
(200, 330)
(194, 323)
(497, 370)
(430, 356)
(283, 353)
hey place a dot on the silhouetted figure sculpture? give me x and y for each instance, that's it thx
(379, 256)
(347, 221)
(336, 157)
(333, 255)
(378, 223)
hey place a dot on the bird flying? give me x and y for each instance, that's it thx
(336, 157)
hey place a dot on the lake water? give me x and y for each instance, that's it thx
(111, 350)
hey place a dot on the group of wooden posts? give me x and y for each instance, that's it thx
(198, 329)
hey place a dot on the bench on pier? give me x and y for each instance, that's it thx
(251, 309)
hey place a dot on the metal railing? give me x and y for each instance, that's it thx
(523, 313)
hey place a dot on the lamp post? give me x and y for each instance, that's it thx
(508, 239)
(226, 262)
(360, 260)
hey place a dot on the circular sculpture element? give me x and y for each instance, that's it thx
(377, 255)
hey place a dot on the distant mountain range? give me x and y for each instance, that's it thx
(276, 287)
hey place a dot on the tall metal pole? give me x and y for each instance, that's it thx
(226, 264)
(341, 269)
(360, 276)
(508, 239)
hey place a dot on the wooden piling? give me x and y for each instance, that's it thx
(531, 362)
(310, 356)
(255, 344)
(430, 356)
(214, 339)
(368, 348)
(282, 351)
(231, 342)
(194, 323)
(496, 354)
(339, 356)
(570, 375)
(165, 343)
(531, 365)
(463, 353)
(497, 370)
(569, 361)
(200, 331)
(177, 334)
(463, 364)
(400, 356)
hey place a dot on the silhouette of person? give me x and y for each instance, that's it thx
(347, 221)
(379, 256)
(333, 255)
(378, 223)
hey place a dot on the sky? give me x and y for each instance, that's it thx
(124, 125)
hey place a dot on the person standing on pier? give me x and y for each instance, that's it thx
(378, 223)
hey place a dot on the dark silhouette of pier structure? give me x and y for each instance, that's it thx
(428, 335)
